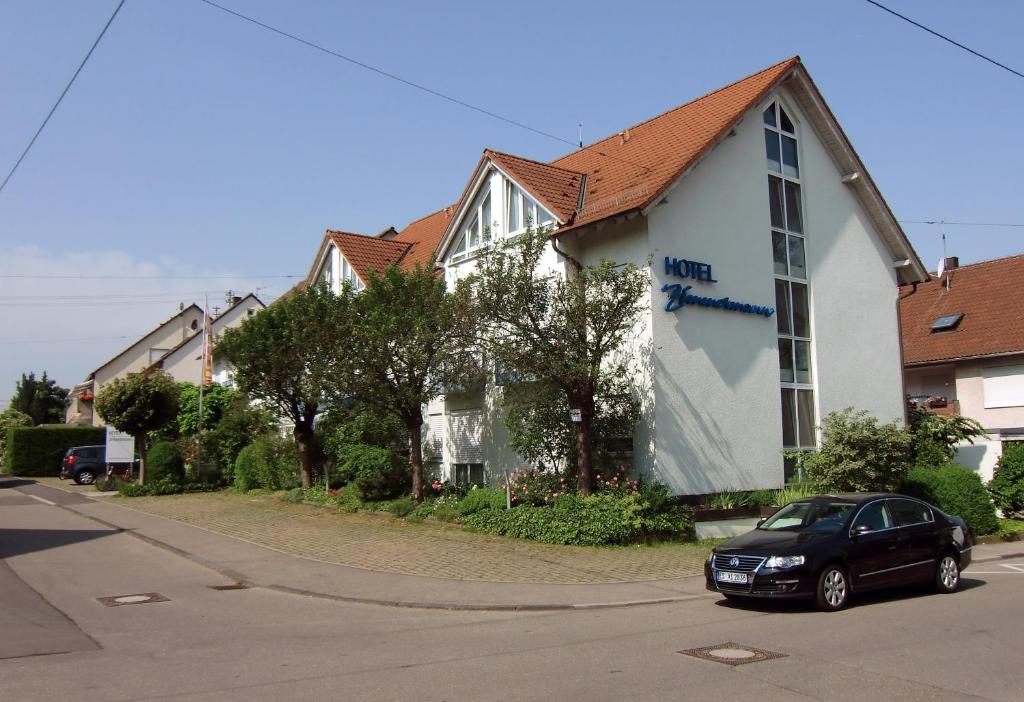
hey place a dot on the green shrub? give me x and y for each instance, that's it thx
(270, 463)
(108, 484)
(584, 521)
(481, 498)
(792, 493)
(132, 490)
(401, 507)
(446, 509)
(39, 450)
(955, 490)
(1007, 486)
(164, 462)
(9, 419)
(377, 474)
(858, 454)
(421, 511)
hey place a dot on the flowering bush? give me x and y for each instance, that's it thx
(537, 488)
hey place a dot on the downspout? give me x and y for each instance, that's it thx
(903, 365)
(575, 263)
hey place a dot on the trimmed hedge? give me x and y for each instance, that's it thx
(955, 490)
(583, 521)
(38, 450)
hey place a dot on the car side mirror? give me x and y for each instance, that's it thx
(761, 521)
(862, 529)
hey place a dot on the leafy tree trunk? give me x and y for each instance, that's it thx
(584, 453)
(307, 448)
(140, 440)
(415, 428)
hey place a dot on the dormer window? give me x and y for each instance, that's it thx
(523, 211)
(349, 273)
(476, 231)
(947, 322)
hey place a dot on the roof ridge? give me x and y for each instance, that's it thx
(432, 214)
(982, 263)
(792, 59)
(534, 161)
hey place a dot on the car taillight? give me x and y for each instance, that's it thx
(70, 460)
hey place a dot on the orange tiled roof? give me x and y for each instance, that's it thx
(558, 189)
(988, 295)
(365, 253)
(424, 235)
(631, 169)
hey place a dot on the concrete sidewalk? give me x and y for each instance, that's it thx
(259, 566)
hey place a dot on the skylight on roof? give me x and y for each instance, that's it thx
(947, 322)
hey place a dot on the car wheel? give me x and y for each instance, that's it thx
(947, 576)
(833, 589)
(85, 477)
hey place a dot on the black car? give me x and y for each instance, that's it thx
(831, 546)
(86, 463)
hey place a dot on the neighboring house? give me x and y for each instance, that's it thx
(175, 346)
(185, 361)
(963, 351)
(775, 265)
(136, 357)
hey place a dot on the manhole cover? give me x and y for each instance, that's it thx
(139, 598)
(732, 653)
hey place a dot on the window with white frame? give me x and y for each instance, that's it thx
(522, 211)
(792, 295)
(476, 228)
(328, 274)
(349, 273)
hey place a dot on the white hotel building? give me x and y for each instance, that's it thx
(774, 262)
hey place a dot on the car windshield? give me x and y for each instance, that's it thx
(809, 516)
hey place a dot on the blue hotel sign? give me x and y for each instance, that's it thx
(679, 295)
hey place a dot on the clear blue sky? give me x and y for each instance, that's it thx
(197, 144)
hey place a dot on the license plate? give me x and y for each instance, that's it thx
(727, 577)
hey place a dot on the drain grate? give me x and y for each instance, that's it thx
(140, 598)
(732, 653)
(233, 586)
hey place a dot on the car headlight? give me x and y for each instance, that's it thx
(782, 562)
(711, 557)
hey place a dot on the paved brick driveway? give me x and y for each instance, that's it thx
(382, 543)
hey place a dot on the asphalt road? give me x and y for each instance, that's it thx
(58, 642)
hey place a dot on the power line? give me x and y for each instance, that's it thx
(59, 99)
(413, 84)
(961, 224)
(86, 338)
(945, 38)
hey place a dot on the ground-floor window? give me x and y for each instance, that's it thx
(469, 474)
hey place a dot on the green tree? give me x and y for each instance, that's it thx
(935, 437)
(568, 331)
(284, 357)
(9, 419)
(216, 399)
(541, 431)
(139, 404)
(409, 339)
(858, 454)
(41, 399)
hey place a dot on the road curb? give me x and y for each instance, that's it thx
(245, 580)
(1001, 557)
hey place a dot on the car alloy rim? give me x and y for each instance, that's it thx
(835, 588)
(87, 478)
(947, 571)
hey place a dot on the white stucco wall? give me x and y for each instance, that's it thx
(970, 392)
(136, 357)
(718, 420)
(186, 364)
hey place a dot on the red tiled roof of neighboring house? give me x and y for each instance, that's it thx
(632, 169)
(424, 235)
(558, 189)
(365, 253)
(988, 294)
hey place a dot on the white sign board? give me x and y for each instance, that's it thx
(576, 415)
(120, 446)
